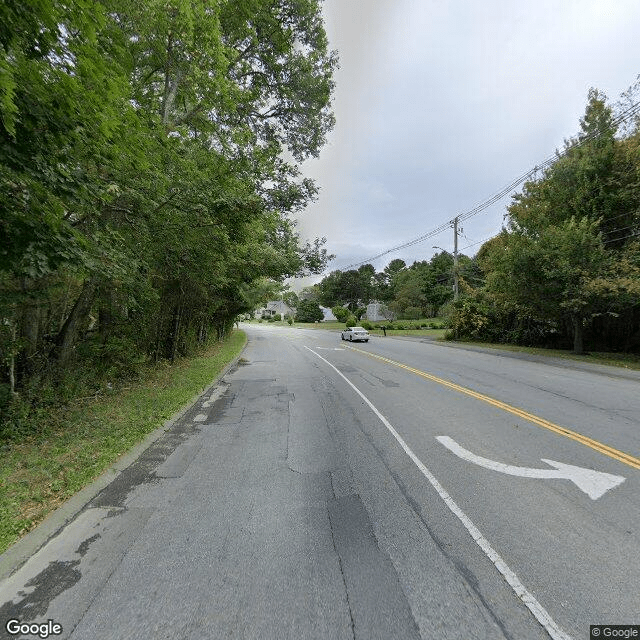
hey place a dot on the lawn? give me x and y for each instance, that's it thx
(408, 330)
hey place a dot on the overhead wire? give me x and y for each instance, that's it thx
(626, 114)
(632, 235)
(479, 242)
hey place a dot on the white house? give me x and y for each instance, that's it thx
(378, 311)
(273, 308)
(328, 314)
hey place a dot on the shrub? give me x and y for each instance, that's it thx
(412, 313)
(446, 310)
(367, 325)
(351, 321)
(480, 317)
(309, 311)
(341, 313)
(469, 319)
(290, 320)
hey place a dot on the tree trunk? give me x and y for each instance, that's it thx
(202, 333)
(65, 304)
(12, 361)
(105, 313)
(31, 328)
(68, 336)
(28, 323)
(177, 317)
(578, 333)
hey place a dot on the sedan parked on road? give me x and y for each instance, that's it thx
(355, 333)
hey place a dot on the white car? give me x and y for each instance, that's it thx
(355, 333)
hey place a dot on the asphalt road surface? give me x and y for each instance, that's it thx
(390, 489)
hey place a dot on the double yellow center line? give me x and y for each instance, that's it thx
(541, 422)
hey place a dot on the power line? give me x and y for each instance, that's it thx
(479, 242)
(632, 235)
(633, 226)
(627, 114)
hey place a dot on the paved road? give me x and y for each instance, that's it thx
(309, 496)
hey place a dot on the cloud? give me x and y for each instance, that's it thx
(441, 104)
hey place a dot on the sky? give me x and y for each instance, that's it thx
(440, 104)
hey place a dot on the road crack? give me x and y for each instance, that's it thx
(344, 581)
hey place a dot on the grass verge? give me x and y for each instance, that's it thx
(339, 326)
(83, 440)
(433, 334)
(624, 360)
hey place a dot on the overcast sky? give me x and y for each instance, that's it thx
(440, 104)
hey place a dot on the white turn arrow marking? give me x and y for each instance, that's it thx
(594, 483)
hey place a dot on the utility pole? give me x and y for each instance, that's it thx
(455, 258)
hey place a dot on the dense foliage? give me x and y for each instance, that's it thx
(566, 269)
(309, 311)
(144, 197)
(416, 291)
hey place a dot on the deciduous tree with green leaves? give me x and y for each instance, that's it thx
(566, 257)
(143, 187)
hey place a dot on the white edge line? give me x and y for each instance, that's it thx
(540, 613)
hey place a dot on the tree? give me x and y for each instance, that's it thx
(424, 287)
(310, 293)
(386, 286)
(330, 290)
(291, 299)
(352, 288)
(309, 311)
(259, 291)
(143, 190)
(410, 289)
(566, 226)
(341, 313)
(565, 267)
(550, 274)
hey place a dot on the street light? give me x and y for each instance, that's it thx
(455, 269)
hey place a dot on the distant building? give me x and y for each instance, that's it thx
(274, 308)
(328, 314)
(377, 311)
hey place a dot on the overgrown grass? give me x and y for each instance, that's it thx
(83, 440)
(624, 360)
